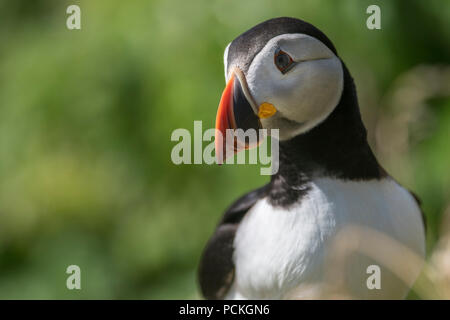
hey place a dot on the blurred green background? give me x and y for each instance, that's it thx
(86, 118)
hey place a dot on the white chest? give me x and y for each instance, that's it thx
(276, 250)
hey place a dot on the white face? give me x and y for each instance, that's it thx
(304, 94)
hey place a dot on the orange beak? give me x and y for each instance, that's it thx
(235, 112)
(224, 120)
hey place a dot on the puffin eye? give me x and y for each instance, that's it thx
(283, 61)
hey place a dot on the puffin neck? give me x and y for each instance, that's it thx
(336, 148)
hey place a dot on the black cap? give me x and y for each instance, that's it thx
(245, 47)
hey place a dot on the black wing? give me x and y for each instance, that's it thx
(216, 269)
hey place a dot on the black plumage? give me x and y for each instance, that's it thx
(337, 147)
(216, 269)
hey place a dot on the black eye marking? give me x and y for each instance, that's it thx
(283, 61)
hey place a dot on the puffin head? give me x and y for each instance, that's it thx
(282, 74)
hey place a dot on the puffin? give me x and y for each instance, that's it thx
(274, 242)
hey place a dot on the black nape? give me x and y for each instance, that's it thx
(337, 148)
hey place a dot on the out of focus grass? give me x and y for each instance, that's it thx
(86, 118)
